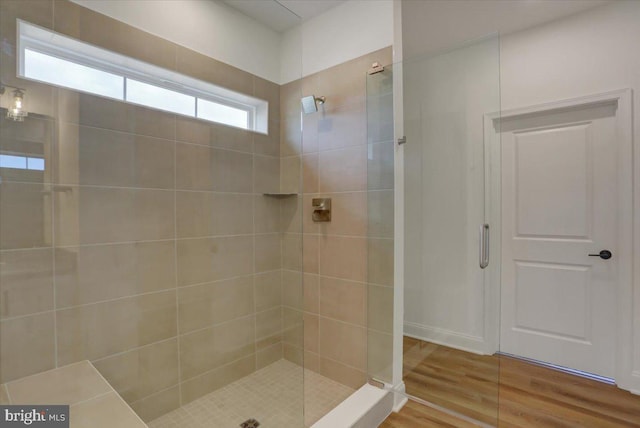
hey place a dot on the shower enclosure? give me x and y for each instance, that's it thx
(146, 242)
(451, 289)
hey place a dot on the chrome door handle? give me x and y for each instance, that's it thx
(484, 246)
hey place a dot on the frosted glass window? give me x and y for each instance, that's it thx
(160, 98)
(16, 162)
(65, 73)
(35, 164)
(217, 112)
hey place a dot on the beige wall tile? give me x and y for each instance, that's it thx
(210, 348)
(293, 353)
(380, 261)
(105, 411)
(348, 216)
(120, 324)
(291, 214)
(25, 216)
(380, 166)
(65, 385)
(268, 325)
(311, 292)
(27, 346)
(342, 84)
(26, 282)
(198, 386)
(292, 251)
(204, 305)
(158, 404)
(312, 361)
(266, 174)
(268, 290)
(113, 158)
(109, 215)
(143, 371)
(268, 91)
(380, 214)
(268, 252)
(210, 70)
(310, 174)
(342, 342)
(290, 174)
(310, 131)
(100, 30)
(201, 214)
(293, 326)
(210, 259)
(311, 333)
(91, 274)
(268, 355)
(266, 213)
(204, 168)
(99, 112)
(290, 94)
(380, 308)
(343, 300)
(343, 170)
(342, 126)
(292, 291)
(343, 257)
(310, 253)
(269, 143)
(213, 134)
(341, 373)
(380, 355)
(291, 135)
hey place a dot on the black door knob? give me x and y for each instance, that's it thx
(604, 254)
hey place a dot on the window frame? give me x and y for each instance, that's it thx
(47, 42)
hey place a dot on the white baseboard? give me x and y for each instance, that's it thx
(450, 338)
(399, 397)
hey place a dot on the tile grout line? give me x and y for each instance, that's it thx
(175, 250)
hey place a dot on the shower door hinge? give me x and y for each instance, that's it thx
(377, 383)
(402, 140)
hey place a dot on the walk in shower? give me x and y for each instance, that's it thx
(177, 254)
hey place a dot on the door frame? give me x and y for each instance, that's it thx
(628, 204)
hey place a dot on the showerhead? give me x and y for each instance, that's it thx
(310, 103)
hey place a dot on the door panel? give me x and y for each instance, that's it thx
(559, 201)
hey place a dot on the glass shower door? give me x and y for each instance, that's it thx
(450, 303)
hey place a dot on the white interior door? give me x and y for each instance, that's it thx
(560, 191)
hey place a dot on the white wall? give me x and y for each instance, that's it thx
(211, 28)
(589, 53)
(348, 31)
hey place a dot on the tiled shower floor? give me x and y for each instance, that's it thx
(272, 395)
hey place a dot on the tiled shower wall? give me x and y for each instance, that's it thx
(346, 264)
(146, 245)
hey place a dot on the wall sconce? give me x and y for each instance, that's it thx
(16, 111)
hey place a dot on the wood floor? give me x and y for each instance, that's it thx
(505, 392)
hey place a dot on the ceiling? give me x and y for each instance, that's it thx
(434, 16)
(281, 15)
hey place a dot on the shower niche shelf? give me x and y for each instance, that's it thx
(280, 194)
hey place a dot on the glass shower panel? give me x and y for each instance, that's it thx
(449, 332)
(380, 227)
(153, 245)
